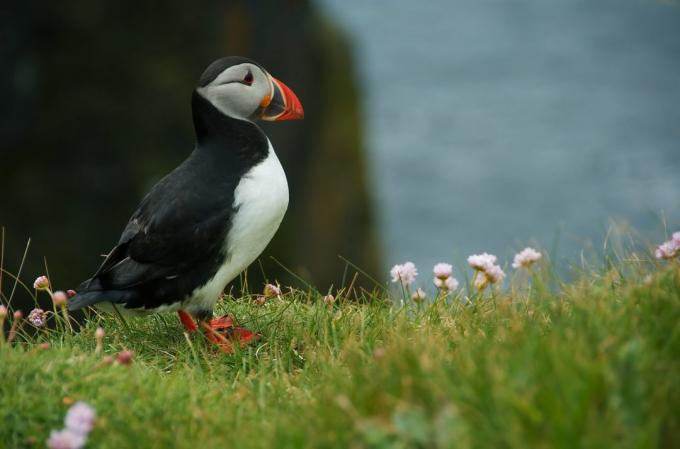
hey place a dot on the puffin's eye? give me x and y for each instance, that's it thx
(248, 79)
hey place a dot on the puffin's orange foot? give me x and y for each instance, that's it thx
(187, 321)
(225, 335)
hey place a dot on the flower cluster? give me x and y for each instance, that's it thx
(526, 258)
(406, 273)
(37, 317)
(487, 272)
(79, 422)
(670, 249)
(123, 358)
(443, 277)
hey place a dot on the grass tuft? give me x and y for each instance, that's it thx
(595, 363)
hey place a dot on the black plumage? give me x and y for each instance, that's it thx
(175, 241)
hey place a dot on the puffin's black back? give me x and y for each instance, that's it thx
(175, 240)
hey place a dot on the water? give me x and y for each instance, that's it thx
(492, 124)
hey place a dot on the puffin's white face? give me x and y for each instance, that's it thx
(247, 92)
(238, 90)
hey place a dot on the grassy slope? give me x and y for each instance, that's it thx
(596, 366)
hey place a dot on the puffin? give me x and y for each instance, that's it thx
(206, 221)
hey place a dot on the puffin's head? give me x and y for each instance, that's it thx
(241, 88)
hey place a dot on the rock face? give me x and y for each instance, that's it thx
(97, 108)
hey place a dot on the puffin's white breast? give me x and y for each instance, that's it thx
(260, 202)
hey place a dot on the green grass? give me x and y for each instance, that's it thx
(595, 363)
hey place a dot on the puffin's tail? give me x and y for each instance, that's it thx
(85, 298)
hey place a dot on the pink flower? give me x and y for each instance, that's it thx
(495, 274)
(71, 293)
(405, 273)
(329, 300)
(449, 284)
(481, 281)
(272, 291)
(41, 283)
(481, 262)
(670, 249)
(59, 298)
(442, 270)
(37, 317)
(3, 312)
(80, 418)
(79, 421)
(99, 335)
(489, 272)
(65, 439)
(419, 295)
(526, 258)
(125, 357)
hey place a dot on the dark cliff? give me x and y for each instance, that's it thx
(96, 108)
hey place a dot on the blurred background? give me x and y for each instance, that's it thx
(433, 129)
(492, 124)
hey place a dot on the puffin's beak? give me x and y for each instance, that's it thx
(282, 104)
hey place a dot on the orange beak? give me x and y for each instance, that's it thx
(282, 104)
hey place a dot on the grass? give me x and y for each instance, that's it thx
(594, 363)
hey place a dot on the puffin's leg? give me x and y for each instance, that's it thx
(218, 331)
(224, 334)
(187, 321)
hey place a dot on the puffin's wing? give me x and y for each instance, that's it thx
(164, 238)
(174, 228)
